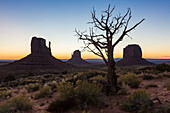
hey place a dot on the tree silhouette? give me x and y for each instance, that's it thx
(111, 30)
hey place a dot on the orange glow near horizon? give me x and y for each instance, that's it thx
(12, 57)
(84, 56)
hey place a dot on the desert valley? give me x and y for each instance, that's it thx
(112, 68)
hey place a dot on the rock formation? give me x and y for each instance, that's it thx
(132, 51)
(40, 58)
(76, 59)
(38, 46)
(132, 55)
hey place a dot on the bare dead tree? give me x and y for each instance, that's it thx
(102, 43)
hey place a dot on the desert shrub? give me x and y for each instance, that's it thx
(47, 75)
(138, 101)
(9, 78)
(161, 109)
(27, 82)
(52, 84)
(88, 94)
(60, 76)
(83, 95)
(43, 92)
(16, 104)
(131, 80)
(163, 67)
(168, 85)
(5, 95)
(152, 85)
(99, 77)
(123, 91)
(66, 90)
(3, 88)
(166, 75)
(166, 109)
(59, 106)
(91, 74)
(42, 103)
(148, 77)
(87, 75)
(33, 87)
(9, 84)
(64, 72)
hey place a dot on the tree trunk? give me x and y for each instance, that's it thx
(111, 77)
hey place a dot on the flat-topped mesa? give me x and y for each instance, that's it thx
(38, 46)
(132, 55)
(132, 51)
(76, 59)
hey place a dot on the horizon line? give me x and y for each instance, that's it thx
(93, 58)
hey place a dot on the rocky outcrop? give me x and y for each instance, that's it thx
(77, 60)
(38, 46)
(40, 58)
(132, 51)
(132, 55)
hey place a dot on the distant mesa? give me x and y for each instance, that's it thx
(77, 60)
(40, 58)
(132, 55)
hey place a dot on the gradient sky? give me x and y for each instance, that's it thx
(56, 20)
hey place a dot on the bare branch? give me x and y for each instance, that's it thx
(135, 26)
(97, 44)
(126, 31)
(109, 24)
(119, 24)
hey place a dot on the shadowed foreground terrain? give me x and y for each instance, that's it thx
(42, 90)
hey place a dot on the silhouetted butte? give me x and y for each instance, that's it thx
(132, 55)
(40, 58)
(77, 60)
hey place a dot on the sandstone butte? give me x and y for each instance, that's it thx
(132, 55)
(77, 60)
(40, 58)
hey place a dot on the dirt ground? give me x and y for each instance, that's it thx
(40, 105)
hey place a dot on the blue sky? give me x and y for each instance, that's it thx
(55, 20)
